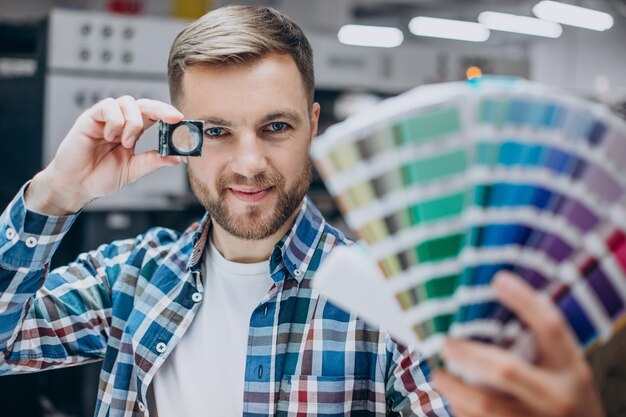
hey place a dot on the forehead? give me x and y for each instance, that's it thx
(269, 82)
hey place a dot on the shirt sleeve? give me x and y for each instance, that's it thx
(408, 389)
(58, 318)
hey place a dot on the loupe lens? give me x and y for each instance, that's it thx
(186, 138)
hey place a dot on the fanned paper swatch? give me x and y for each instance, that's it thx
(447, 184)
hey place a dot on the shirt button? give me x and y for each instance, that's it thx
(141, 406)
(10, 234)
(196, 297)
(161, 347)
(265, 311)
(31, 241)
(260, 371)
(297, 272)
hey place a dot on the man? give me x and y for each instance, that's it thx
(219, 320)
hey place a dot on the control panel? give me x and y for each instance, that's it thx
(92, 56)
(109, 43)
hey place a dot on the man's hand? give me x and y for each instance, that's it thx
(560, 384)
(97, 157)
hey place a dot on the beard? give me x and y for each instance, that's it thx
(254, 224)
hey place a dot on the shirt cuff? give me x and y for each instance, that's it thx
(29, 239)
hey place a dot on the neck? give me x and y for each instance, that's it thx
(248, 251)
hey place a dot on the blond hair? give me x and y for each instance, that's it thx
(235, 35)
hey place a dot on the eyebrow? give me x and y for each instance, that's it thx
(281, 114)
(216, 121)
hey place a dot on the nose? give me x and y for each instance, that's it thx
(249, 159)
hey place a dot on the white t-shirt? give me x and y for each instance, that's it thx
(204, 375)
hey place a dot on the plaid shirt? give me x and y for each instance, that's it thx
(128, 303)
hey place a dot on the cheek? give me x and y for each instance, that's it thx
(204, 171)
(290, 165)
(292, 157)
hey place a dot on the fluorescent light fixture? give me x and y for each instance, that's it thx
(568, 14)
(377, 36)
(520, 24)
(448, 29)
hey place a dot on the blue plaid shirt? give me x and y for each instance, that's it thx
(128, 303)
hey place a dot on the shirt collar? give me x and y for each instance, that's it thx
(295, 250)
(198, 241)
(297, 247)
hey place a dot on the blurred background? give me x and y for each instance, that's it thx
(58, 57)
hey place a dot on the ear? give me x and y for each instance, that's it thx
(315, 117)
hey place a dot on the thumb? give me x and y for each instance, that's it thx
(146, 163)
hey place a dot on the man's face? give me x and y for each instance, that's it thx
(255, 167)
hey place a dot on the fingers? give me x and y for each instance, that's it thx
(133, 121)
(559, 384)
(109, 112)
(147, 162)
(153, 110)
(496, 368)
(124, 119)
(474, 401)
(556, 344)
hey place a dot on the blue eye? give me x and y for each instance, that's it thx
(214, 132)
(277, 126)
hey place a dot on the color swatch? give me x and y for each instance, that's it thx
(448, 184)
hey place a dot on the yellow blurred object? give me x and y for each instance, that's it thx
(191, 9)
(473, 72)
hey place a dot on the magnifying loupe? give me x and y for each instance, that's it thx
(183, 138)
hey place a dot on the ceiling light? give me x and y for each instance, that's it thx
(520, 24)
(568, 14)
(377, 36)
(448, 29)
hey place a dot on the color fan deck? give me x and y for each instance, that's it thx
(448, 184)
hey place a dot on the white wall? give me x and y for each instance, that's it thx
(587, 62)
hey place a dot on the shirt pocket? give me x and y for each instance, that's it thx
(304, 395)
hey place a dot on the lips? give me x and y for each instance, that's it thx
(250, 195)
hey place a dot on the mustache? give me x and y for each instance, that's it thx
(258, 181)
